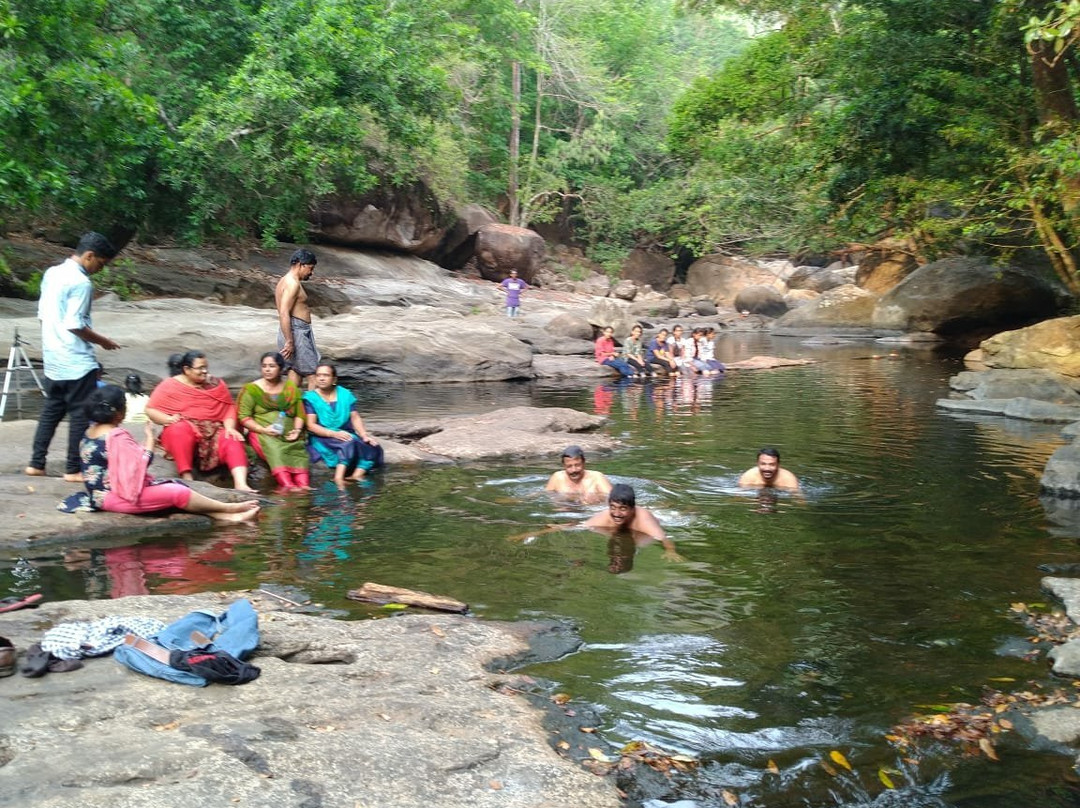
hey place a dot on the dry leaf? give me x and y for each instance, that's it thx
(773, 767)
(170, 725)
(383, 716)
(596, 754)
(587, 729)
(729, 798)
(886, 781)
(1005, 723)
(495, 785)
(829, 768)
(562, 745)
(987, 748)
(561, 698)
(438, 632)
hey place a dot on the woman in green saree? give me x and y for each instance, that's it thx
(270, 409)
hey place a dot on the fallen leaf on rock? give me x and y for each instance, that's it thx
(729, 798)
(495, 785)
(561, 698)
(562, 745)
(587, 729)
(438, 632)
(773, 767)
(170, 725)
(829, 769)
(886, 781)
(383, 716)
(434, 671)
(987, 748)
(596, 754)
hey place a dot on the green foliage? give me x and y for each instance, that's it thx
(118, 277)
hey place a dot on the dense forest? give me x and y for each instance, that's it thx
(755, 125)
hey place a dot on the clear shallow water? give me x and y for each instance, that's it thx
(796, 625)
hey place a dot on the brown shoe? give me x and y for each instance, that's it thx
(7, 657)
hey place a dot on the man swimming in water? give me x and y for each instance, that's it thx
(768, 474)
(622, 516)
(575, 481)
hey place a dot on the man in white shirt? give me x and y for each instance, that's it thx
(67, 348)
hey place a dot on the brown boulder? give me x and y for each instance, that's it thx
(885, 265)
(653, 268)
(845, 308)
(721, 278)
(1051, 344)
(459, 243)
(760, 300)
(959, 295)
(502, 247)
(408, 219)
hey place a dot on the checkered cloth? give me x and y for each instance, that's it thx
(78, 640)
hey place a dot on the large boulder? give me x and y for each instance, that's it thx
(722, 277)
(570, 326)
(1061, 477)
(958, 295)
(1040, 384)
(815, 279)
(517, 432)
(409, 219)
(459, 243)
(502, 247)
(1051, 344)
(886, 264)
(611, 312)
(596, 285)
(847, 309)
(648, 266)
(624, 290)
(763, 300)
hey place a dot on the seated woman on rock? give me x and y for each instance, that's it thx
(657, 354)
(605, 353)
(199, 417)
(114, 469)
(706, 360)
(270, 409)
(336, 433)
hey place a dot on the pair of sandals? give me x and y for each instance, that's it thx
(7, 649)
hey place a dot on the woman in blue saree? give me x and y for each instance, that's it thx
(336, 431)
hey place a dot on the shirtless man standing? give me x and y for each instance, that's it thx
(768, 474)
(575, 481)
(295, 340)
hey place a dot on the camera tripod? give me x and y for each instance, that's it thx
(17, 362)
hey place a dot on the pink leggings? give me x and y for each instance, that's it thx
(153, 498)
(180, 440)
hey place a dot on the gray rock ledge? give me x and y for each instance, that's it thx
(377, 713)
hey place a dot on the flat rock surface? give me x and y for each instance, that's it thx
(392, 712)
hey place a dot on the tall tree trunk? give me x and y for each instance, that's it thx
(515, 142)
(1058, 111)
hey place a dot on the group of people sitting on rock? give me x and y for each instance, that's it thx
(204, 429)
(666, 353)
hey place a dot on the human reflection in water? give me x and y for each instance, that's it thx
(338, 524)
(767, 499)
(621, 520)
(621, 548)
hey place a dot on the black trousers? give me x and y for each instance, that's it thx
(63, 398)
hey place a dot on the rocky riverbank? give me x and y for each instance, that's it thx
(393, 712)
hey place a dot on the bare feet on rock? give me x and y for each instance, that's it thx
(73, 478)
(238, 511)
(30, 471)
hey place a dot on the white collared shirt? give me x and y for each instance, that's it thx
(66, 295)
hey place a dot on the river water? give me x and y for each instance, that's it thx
(794, 628)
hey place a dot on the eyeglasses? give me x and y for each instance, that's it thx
(203, 369)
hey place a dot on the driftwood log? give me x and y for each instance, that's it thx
(377, 593)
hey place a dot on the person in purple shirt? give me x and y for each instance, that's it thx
(513, 287)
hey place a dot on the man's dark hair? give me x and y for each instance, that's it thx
(188, 359)
(623, 494)
(305, 257)
(104, 402)
(97, 244)
(133, 384)
(769, 451)
(573, 451)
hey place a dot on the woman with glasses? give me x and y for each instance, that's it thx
(199, 417)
